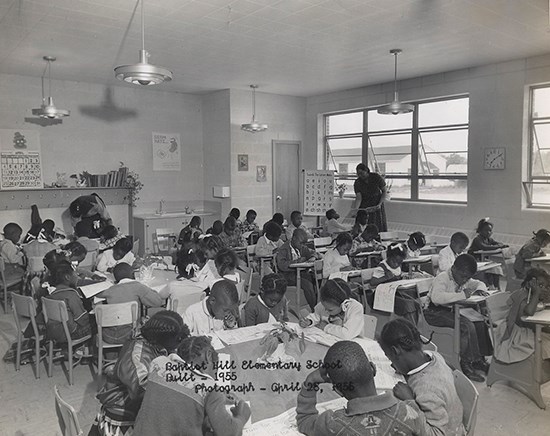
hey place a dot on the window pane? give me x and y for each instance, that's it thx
(449, 140)
(342, 152)
(541, 194)
(348, 182)
(541, 102)
(399, 188)
(541, 150)
(390, 154)
(443, 163)
(342, 124)
(388, 122)
(442, 190)
(443, 112)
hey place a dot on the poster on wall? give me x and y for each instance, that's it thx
(20, 162)
(318, 186)
(166, 152)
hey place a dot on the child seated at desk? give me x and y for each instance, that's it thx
(218, 311)
(109, 237)
(389, 270)
(337, 313)
(296, 219)
(515, 339)
(209, 245)
(296, 251)
(533, 248)
(231, 235)
(336, 259)
(447, 288)
(332, 226)
(360, 224)
(11, 252)
(269, 243)
(121, 252)
(226, 262)
(414, 243)
(249, 224)
(367, 412)
(270, 305)
(447, 256)
(190, 233)
(484, 242)
(183, 408)
(367, 241)
(216, 229)
(429, 380)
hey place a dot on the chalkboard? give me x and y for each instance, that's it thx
(318, 191)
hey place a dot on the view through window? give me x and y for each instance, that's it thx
(538, 187)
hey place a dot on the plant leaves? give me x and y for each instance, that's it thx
(271, 345)
(302, 344)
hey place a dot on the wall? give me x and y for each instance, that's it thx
(497, 118)
(285, 116)
(96, 137)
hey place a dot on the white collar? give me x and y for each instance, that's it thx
(126, 281)
(424, 365)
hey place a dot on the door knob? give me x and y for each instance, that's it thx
(278, 198)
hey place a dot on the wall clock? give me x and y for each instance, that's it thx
(494, 158)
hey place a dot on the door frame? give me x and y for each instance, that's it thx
(274, 144)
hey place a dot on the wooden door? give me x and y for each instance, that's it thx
(286, 177)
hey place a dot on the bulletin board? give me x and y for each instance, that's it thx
(318, 192)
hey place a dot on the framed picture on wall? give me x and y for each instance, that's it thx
(242, 164)
(261, 173)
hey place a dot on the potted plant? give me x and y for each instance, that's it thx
(275, 343)
(342, 188)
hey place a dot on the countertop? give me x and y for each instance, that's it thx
(154, 216)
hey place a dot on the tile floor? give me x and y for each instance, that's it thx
(28, 405)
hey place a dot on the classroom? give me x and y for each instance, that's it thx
(289, 217)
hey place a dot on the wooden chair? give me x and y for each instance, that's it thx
(6, 283)
(245, 284)
(112, 315)
(68, 419)
(318, 274)
(55, 310)
(469, 396)
(250, 251)
(369, 329)
(25, 307)
(389, 236)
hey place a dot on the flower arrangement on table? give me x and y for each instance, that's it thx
(275, 343)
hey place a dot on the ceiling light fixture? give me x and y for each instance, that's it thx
(395, 107)
(48, 110)
(143, 73)
(254, 126)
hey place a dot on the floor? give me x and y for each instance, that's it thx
(28, 404)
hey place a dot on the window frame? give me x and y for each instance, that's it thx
(415, 131)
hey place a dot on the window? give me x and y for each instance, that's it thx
(538, 186)
(423, 155)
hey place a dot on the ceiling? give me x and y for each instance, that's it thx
(293, 47)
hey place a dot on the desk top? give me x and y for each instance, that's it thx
(545, 258)
(542, 317)
(302, 265)
(484, 266)
(367, 253)
(419, 259)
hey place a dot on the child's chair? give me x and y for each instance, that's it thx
(468, 395)
(25, 307)
(112, 315)
(55, 310)
(7, 283)
(68, 419)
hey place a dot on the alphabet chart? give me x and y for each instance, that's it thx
(318, 192)
(21, 170)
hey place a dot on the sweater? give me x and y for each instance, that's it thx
(131, 290)
(379, 415)
(106, 260)
(175, 405)
(352, 321)
(447, 258)
(445, 290)
(435, 393)
(265, 247)
(199, 320)
(334, 262)
(256, 312)
(286, 256)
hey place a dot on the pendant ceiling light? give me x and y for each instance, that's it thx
(143, 73)
(48, 110)
(395, 107)
(254, 126)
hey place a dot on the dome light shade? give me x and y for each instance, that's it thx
(48, 109)
(395, 107)
(254, 126)
(143, 73)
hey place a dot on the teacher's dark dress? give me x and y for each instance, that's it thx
(371, 191)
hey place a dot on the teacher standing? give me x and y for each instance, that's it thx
(370, 194)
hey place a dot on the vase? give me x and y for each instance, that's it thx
(279, 355)
(341, 194)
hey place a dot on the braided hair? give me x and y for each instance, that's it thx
(535, 273)
(226, 261)
(274, 283)
(543, 236)
(343, 239)
(417, 239)
(396, 250)
(76, 251)
(165, 329)
(193, 347)
(336, 290)
(483, 222)
(401, 333)
(61, 273)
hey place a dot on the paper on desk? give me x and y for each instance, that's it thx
(95, 288)
(384, 296)
(543, 317)
(344, 275)
(224, 361)
(386, 377)
(245, 235)
(314, 334)
(419, 259)
(216, 343)
(244, 334)
(285, 423)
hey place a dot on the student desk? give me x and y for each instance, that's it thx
(369, 255)
(540, 262)
(413, 263)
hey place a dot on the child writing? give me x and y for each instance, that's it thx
(351, 374)
(190, 233)
(226, 262)
(11, 252)
(430, 381)
(249, 224)
(533, 248)
(389, 270)
(109, 237)
(337, 313)
(453, 285)
(414, 243)
(360, 224)
(184, 407)
(218, 311)
(270, 305)
(209, 245)
(484, 242)
(216, 229)
(447, 256)
(231, 235)
(336, 259)
(514, 339)
(121, 252)
(269, 243)
(367, 241)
